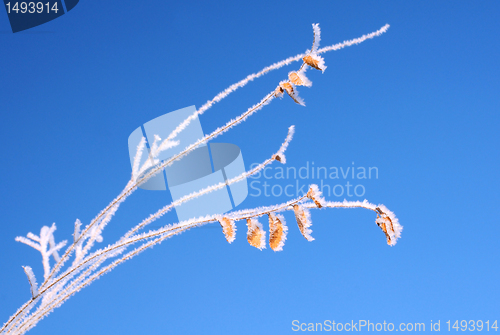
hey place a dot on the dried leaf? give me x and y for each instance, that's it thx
(299, 79)
(256, 235)
(277, 232)
(315, 195)
(389, 224)
(292, 92)
(278, 92)
(228, 228)
(385, 223)
(315, 61)
(303, 221)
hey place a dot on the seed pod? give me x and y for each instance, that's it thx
(228, 228)
(303, 221)
(277, 232)
(256, 235)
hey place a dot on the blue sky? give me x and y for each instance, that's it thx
(420, 103)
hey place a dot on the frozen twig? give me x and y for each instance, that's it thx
(32, 281)
(61, 283)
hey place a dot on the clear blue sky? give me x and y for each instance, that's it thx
(420, 103)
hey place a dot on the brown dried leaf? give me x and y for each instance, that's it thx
(255, 235)
(291, 92)
(278, 92)
(228, 228)
(299, 79)
(303, 221)
(385, 223)
(315, 61)
(294, 78)
(288, 88)
(311, 62)
(277, 233)
(310, 195)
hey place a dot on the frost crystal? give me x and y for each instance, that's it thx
(256, 235)
(277, 231)
(303, 218)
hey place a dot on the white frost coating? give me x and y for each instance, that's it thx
(45, 244)
(253, 225)
(167, 144)
(351, 204)
(137, 157)
(308, 225)
(33, 237)
(237, 215)
(26, 241)
(320, 61)
(128, 190)
(292, 91)
(303, 217)
(234, 122)
(242, 83)
(54, 248)
(317, 37)
(153, 154)
(76, 234)
(313, 59)
(156, 148)
(269, 68)
(32, 280)
(284, 146)
(228, 227)
(212, 188)
(285, 231)
(354, 41)
(302, 76)
(20, 315)
(242, 214)
(317, 195)
(272, 228)
(393, 226)
(54, 297)
(59, 287)
(194, 223)
(93, 234)
(304, 81)
(396, 226)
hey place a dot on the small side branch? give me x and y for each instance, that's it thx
(32, 281)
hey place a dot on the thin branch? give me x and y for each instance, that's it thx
(129, 189)
(51, 289)
(32, 281)
(124, 241)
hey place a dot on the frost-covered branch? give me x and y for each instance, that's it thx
(279, 156)
(273, 67)
(125, 241)
(45, 244)
(61, 282)
(32, 281)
